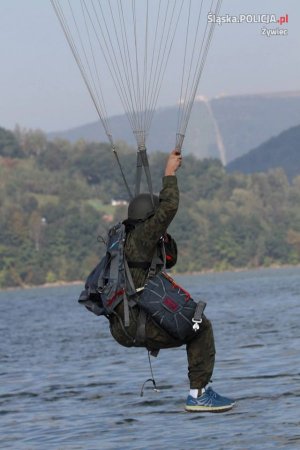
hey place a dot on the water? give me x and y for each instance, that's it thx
(65, 384)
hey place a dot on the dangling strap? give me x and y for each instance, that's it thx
(150, 379)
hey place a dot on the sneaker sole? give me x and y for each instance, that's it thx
(212, 409)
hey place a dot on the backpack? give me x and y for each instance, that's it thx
(110, 281)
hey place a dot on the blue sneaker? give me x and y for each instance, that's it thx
(209, 401)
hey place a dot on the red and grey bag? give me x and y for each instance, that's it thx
(171, 306)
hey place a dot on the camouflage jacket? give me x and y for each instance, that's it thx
(141, 242)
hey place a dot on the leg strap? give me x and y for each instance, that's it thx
(197, 319)
(140, 336)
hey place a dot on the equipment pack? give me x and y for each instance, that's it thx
(168, 304)
(110, 282)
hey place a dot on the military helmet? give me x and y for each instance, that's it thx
(141, 207)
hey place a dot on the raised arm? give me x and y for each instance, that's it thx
(147, 233)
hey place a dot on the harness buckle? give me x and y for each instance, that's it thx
(196, 324)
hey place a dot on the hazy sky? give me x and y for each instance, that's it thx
(41, 87)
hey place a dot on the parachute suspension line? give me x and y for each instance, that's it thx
(181, 97)
(109, 135)
(125, 59)
(114, 31)
(165, 54)
(122, 172)
(147, 109)
(95, 93)
(152, 74)
(127, 92)
(142, 108)
(144, 104)
(124, 55)
(124, 81)
(143, 94)
(186, 104)
(139, 106)
(180, 135)
(140, 131)
(183, 102)
(128, 67)
(111, 60)
(201, 62)
(135, 41)
(100, 94)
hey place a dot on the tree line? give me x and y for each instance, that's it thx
(56, 201)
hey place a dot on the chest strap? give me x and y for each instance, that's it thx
(138, 265)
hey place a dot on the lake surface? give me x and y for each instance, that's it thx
(65, 384)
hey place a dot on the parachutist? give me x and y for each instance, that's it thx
(147, 316)
(119, 284)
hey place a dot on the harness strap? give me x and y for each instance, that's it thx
(145, 163)
(157, 261)
(126, 310)
(199, 311)
(138, 175)
(163, 252)
(114, 266)
(131, 288)
(197, 319)
(139, 265)
(142, 161)
(140, 336)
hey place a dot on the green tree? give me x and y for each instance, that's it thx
(9, 146)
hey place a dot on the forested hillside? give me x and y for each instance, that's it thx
(280, 151)
(56, 198)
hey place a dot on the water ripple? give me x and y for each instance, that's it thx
(65, 384)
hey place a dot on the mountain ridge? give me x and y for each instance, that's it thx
(224, 127)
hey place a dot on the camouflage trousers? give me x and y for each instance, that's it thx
(200, 347)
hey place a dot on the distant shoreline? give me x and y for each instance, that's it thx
(45, 285)
(240, 269)
(189, 273)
